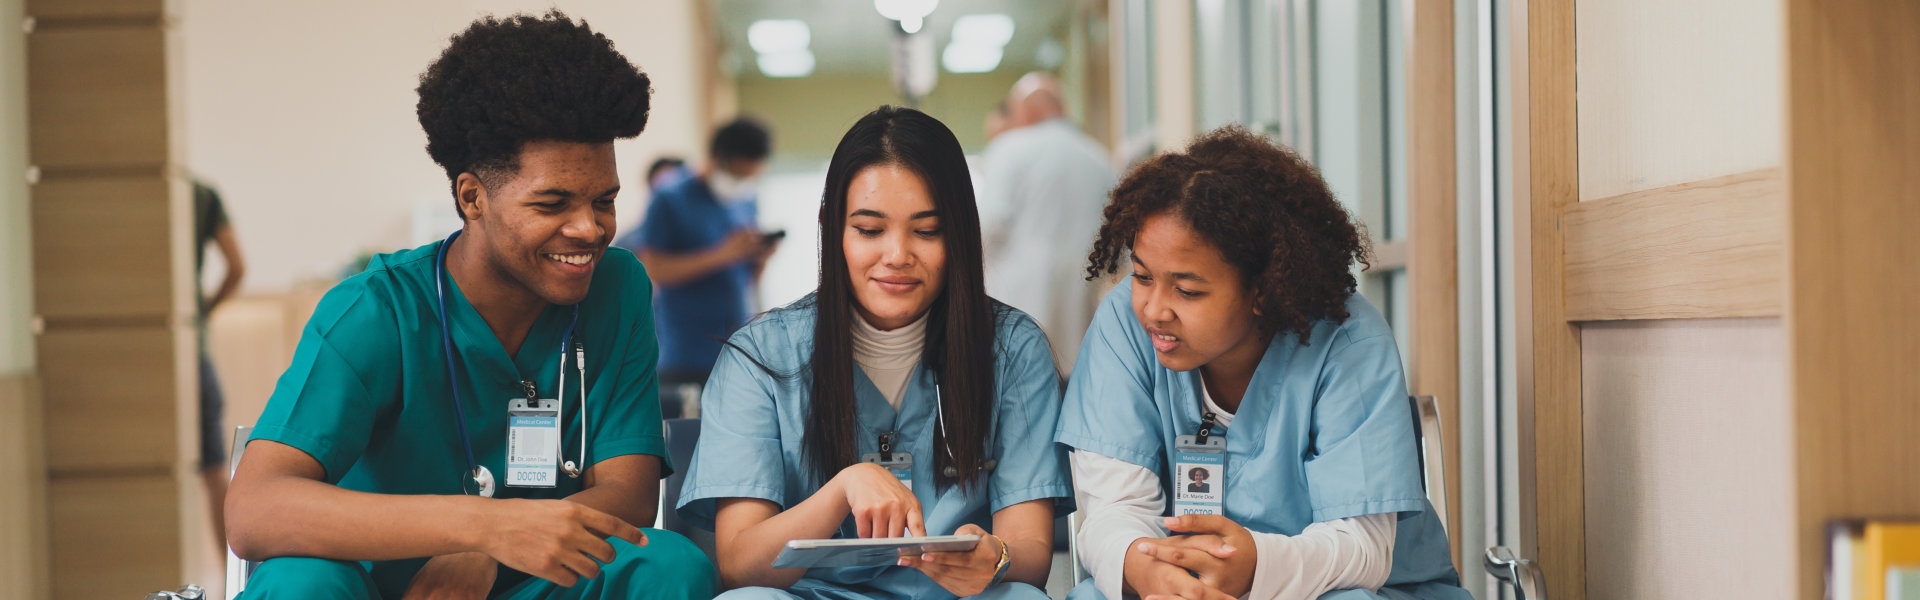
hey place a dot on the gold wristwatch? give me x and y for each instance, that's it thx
(1000, 569)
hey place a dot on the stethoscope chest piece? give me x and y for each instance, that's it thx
(478, 482)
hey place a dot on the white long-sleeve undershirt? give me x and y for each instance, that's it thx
(1122, 502)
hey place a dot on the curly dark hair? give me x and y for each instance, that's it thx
(1266, 209)
(505, 82)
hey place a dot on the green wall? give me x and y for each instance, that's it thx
(809, 114)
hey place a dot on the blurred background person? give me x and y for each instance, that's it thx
(211, 226)
(1044, 183)
(665, 170)
(700, 242)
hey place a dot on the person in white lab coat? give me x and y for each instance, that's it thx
(1043, 185)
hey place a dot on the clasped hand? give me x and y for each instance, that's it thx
(1214, 562)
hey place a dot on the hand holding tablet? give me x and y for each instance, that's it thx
(867, 551)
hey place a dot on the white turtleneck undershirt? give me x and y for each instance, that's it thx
(888, 357)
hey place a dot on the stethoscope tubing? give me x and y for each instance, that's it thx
(478, 474)
(446, 346)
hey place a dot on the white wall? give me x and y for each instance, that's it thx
(1689, 459)
(16, 264)
(1687, 431)
(1672, 92)
(303, 115)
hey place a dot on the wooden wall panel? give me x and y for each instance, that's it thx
(1854, 199)
(100, 248)
(111, 223)
(94, 9)
(1713, 248)
(1553, 184)
(111, 397)
(23, 488)
(97, 98)
(1434, 269)
(114, 537)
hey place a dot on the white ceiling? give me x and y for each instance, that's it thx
(850, 38)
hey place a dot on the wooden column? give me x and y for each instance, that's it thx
(1550, 370)
(1434, 266)
(1853, 310)
(112, 275)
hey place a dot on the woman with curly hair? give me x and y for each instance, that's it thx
(1240, 346)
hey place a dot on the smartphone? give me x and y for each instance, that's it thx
(769, 237)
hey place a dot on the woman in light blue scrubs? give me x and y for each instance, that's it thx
(899, 357)
(1238, 417)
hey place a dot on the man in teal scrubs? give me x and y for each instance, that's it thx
(359, 479)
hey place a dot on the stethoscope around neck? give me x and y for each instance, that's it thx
(478, 480)
(940, 417)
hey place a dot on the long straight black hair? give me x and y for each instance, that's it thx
(960, 323)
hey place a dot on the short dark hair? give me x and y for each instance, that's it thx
(505, 82)
(1263, 207)
(663, 163)
(744, 137)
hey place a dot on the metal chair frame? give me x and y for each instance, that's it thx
(1525, 577)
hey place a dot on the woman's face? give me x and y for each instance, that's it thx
(896, 257)
(1189, 299)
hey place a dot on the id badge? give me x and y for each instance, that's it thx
(1199, 475)
(901, 466)
(533, 442)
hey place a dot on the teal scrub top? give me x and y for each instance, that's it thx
(1323, 433)
(367, 394)
(752, 422)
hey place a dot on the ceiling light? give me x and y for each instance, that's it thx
(902, 10)
(773, 36)
(970, 58)
(984, 30)
(797, 63)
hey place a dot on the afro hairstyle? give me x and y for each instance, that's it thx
(1263, 207)
(505, 82)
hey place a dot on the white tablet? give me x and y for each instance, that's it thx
(866, 552)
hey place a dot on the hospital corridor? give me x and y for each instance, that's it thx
(930, 299)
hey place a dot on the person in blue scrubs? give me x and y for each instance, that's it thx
(1241, 328)
(700, 241)
(898, 358)
(379, 468)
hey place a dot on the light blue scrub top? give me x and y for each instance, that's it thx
(752, 423)
(1323, 433)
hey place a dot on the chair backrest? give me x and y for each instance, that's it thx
(1433, 464)
(682, 436)
(238, 570)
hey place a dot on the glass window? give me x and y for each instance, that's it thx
(1221, 63)
(1138, 22)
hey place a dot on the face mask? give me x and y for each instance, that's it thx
(730, 190)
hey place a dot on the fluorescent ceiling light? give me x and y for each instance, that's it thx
(970, 58)
(902, 10)
(983, 30)
(798, 63)
(774, 36)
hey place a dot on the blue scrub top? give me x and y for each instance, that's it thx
(683, 218)
(753, 421)
(367, 394)
(1323, 433)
